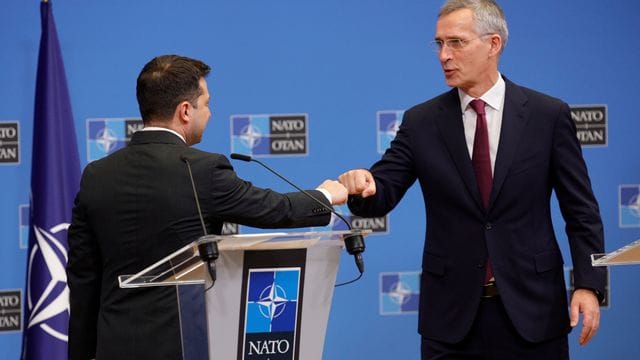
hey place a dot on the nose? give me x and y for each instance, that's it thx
(444, 54)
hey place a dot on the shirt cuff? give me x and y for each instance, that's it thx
(326, 194)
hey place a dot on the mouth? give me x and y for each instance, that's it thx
(448, 72)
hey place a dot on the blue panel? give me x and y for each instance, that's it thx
(345, 64)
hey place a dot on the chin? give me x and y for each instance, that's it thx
(452, 82)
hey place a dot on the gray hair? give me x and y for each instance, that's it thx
(488, 16)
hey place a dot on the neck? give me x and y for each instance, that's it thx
(485, 83)
(169, 126)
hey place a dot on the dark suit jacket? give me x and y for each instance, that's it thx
(135, 207)
(538, 153)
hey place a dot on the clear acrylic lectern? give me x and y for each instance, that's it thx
(272, 295)
(626, 255)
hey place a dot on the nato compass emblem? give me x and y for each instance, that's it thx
(629, 205)
(272, 300)
(271, 313)
(106, 140)
(250, 136)
(105, 136)
(399, 293)
(388, 124)
(47, 291)
(269, 135)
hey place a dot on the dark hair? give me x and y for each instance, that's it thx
(166, 81)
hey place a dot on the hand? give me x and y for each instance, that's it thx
(338, 192)
(359, 182)
(585, 301)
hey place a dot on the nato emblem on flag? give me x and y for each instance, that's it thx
(55, 179)
(388, 123)
(269, 135)
(107, 135)
(629, 205)
(271, 313)
(399, 293)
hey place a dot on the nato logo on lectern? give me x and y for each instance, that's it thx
(271, 313)
(107, 135)
(388, 123)
(270, 135)
(629, 205)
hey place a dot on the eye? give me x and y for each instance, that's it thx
(455, 43)
(436, 45)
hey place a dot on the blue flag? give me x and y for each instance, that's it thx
(55, 178)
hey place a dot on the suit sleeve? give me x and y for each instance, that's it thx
(577, 203)
(394, 173)
(236, 200)
(84, 281)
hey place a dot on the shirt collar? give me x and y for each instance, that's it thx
(494, 97)
(157, 128)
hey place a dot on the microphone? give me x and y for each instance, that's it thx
(207, 245)
(353, 242)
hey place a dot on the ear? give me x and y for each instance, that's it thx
(183, 112)
(496, 44)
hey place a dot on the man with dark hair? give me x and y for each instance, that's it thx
(136, 206)
(492, 284)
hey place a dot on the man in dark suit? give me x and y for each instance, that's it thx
(137, 205)
(492, 273)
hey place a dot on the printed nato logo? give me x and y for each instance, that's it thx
(377, 225)
(271, 313)
(10, 310)
(107, 135)
(399, 293)
(629, 205)
(388, 124)
(269, 135)
(591, 124)
(9, 142)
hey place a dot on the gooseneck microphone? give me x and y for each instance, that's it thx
(207, 245)
(353, 242)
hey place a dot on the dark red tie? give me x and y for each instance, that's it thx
(482, 162)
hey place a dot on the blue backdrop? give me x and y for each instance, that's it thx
(339, 62)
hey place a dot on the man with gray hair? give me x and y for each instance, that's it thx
(492, 284)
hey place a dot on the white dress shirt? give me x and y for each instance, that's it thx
(157, 128)
(494, 99)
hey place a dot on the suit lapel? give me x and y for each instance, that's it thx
(514, 118)
(452, 130)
